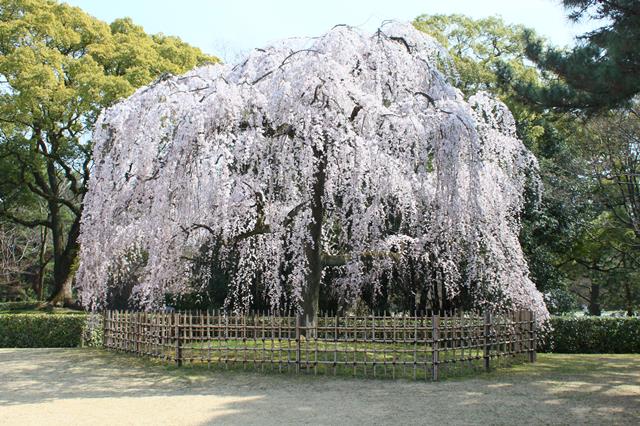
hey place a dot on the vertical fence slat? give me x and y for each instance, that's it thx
(487, 341)
(298, 344)
(435, 346)
(178, 339)
(532, 337)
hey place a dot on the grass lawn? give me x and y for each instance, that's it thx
(79, 386)
(34, 308)
(379, 360)
(340, 358)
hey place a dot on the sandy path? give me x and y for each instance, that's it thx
(80, 386)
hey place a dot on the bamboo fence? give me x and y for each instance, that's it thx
(411, 346)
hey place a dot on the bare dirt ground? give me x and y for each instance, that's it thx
(82, 386)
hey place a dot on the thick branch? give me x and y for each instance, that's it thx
(293, 213)
(52, 198)
(258, 230)
(28, 223)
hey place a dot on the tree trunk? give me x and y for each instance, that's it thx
(313, 251)
(628, 298)
(63, 295)
(42, 262)
(64, 256)
(594, 299)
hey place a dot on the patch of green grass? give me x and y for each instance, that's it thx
(550, 364)
(341, 358)
(34, 308)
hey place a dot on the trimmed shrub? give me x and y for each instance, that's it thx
(41, 330)
(592, 335)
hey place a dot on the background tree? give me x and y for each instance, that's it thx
(609, 249)
(600, 72)
(479, 47)
(58, 68)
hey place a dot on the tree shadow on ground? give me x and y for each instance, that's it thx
(107, 387)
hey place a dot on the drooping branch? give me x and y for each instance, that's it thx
(293, 213)
(402, 41)
(268, 73)
(259, 228)
(343, 259)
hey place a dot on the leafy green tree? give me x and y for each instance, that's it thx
(478, 48)
(600, 72)
(59, 67)
(551, 230)
(608, 252)
(606, 276)
(612, 143)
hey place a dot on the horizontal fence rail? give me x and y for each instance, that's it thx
(411, 346)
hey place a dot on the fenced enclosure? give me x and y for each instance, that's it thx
(410, 346)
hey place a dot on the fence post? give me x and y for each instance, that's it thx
(435, 337)
(532, 337)
(123, 325)
(105, 318)
(487, 340)
(176, 321)
(518, 332)
(137, 333)
(298, 343)
(127, 330)
(116, 330)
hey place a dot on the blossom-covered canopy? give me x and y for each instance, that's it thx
(348, 151)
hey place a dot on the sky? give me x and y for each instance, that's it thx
(230, 28)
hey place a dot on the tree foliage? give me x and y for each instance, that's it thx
(480, 48)
(608, 251)
(600, 72)
(58, 68)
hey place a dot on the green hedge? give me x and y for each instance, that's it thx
(569, 335)
(592, 335)
(41, 330)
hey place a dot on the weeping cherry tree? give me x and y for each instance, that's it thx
(348, 153)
